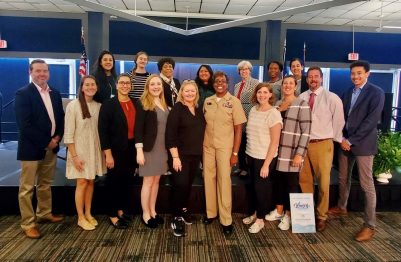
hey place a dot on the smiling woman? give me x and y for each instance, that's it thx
(105, 75)
(118, 146)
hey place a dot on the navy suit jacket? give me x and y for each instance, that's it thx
(34, 123)
(361, 123)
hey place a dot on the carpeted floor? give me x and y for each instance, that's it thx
(66, 242)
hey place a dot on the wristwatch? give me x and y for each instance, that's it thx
(235, 153)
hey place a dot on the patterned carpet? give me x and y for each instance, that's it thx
(66, 242)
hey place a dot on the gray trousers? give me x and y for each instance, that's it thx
(365, 163)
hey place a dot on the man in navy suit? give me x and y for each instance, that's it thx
(363, 105)
(40, 119)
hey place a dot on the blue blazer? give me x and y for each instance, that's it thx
(361, 124)
(34, 123)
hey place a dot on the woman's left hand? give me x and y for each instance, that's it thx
(233, 160)
(297, 161)
(177, 164)
(264, 171)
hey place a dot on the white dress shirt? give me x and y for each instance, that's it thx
(327, 115)
(44, 94)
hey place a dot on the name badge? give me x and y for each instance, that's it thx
(228, 104)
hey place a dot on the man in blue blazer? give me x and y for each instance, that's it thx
(40, 119)
(363, 105)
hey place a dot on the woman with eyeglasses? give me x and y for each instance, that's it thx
(84, 159)
(105, 74)
(243, 91)
(204, 82)
(184, 138)
(171, 85)
(139, 74)
(150, 128)
(116, 130)
(297, 70)
(224, 118)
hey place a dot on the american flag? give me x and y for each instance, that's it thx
(83, 63)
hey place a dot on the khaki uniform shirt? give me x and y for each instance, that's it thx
(221, 117)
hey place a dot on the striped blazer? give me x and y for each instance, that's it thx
(294, 138)
(246, 93)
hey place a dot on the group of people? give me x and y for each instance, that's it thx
(280, 132)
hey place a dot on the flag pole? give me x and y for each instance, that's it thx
(284, 54)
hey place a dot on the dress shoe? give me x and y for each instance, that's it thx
(120, 224)
(50, 219)
(32, 232)
(92, 220)
(159, 220)
(337, 211)
(85, 224)
(208, 221)
(151, 223)
(227, 230)
(125, 217)
(320, 225)
(365, 234)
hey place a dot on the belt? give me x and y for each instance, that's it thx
(318, 140)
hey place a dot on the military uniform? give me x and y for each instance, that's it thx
(221, 117)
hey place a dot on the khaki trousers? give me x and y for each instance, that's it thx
(217, 177)
(42, 173)
(317, 165)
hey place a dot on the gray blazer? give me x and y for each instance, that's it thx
(246, 93)
(294, 138)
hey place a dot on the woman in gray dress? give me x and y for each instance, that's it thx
(150, 126)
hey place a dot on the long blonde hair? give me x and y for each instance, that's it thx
(147, 100)
(183, 85)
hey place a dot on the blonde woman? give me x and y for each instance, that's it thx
(184, 138)
(84, 159)
(150, 126)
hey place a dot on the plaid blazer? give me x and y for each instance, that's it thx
(294, 138)
(246, 93)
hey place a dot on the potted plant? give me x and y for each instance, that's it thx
(388, 157)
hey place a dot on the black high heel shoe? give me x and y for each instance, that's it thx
(125, 217)
(151, 223)
(159, 220)
(120, 224)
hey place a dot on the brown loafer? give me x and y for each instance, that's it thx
(365, 234)
(50, 219)
(337, 211)
(320, 225)
(32, 232)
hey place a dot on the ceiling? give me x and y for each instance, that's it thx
(317, 12)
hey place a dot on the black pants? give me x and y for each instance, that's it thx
(261, 188)
(119, 180)
(286, 183)
(241, 154)
(182, 183)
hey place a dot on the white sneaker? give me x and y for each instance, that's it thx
(273, 215)
(285, 223)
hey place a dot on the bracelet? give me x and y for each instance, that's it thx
(176, 157)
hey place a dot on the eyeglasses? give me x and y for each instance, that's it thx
(124, 83)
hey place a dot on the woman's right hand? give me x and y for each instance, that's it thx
(109, 161)
(140, 158)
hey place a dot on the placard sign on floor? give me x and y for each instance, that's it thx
(302, 213)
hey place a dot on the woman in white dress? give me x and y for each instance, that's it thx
(84, 159)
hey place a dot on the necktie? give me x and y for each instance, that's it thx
(240, 89)
(311, 100)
